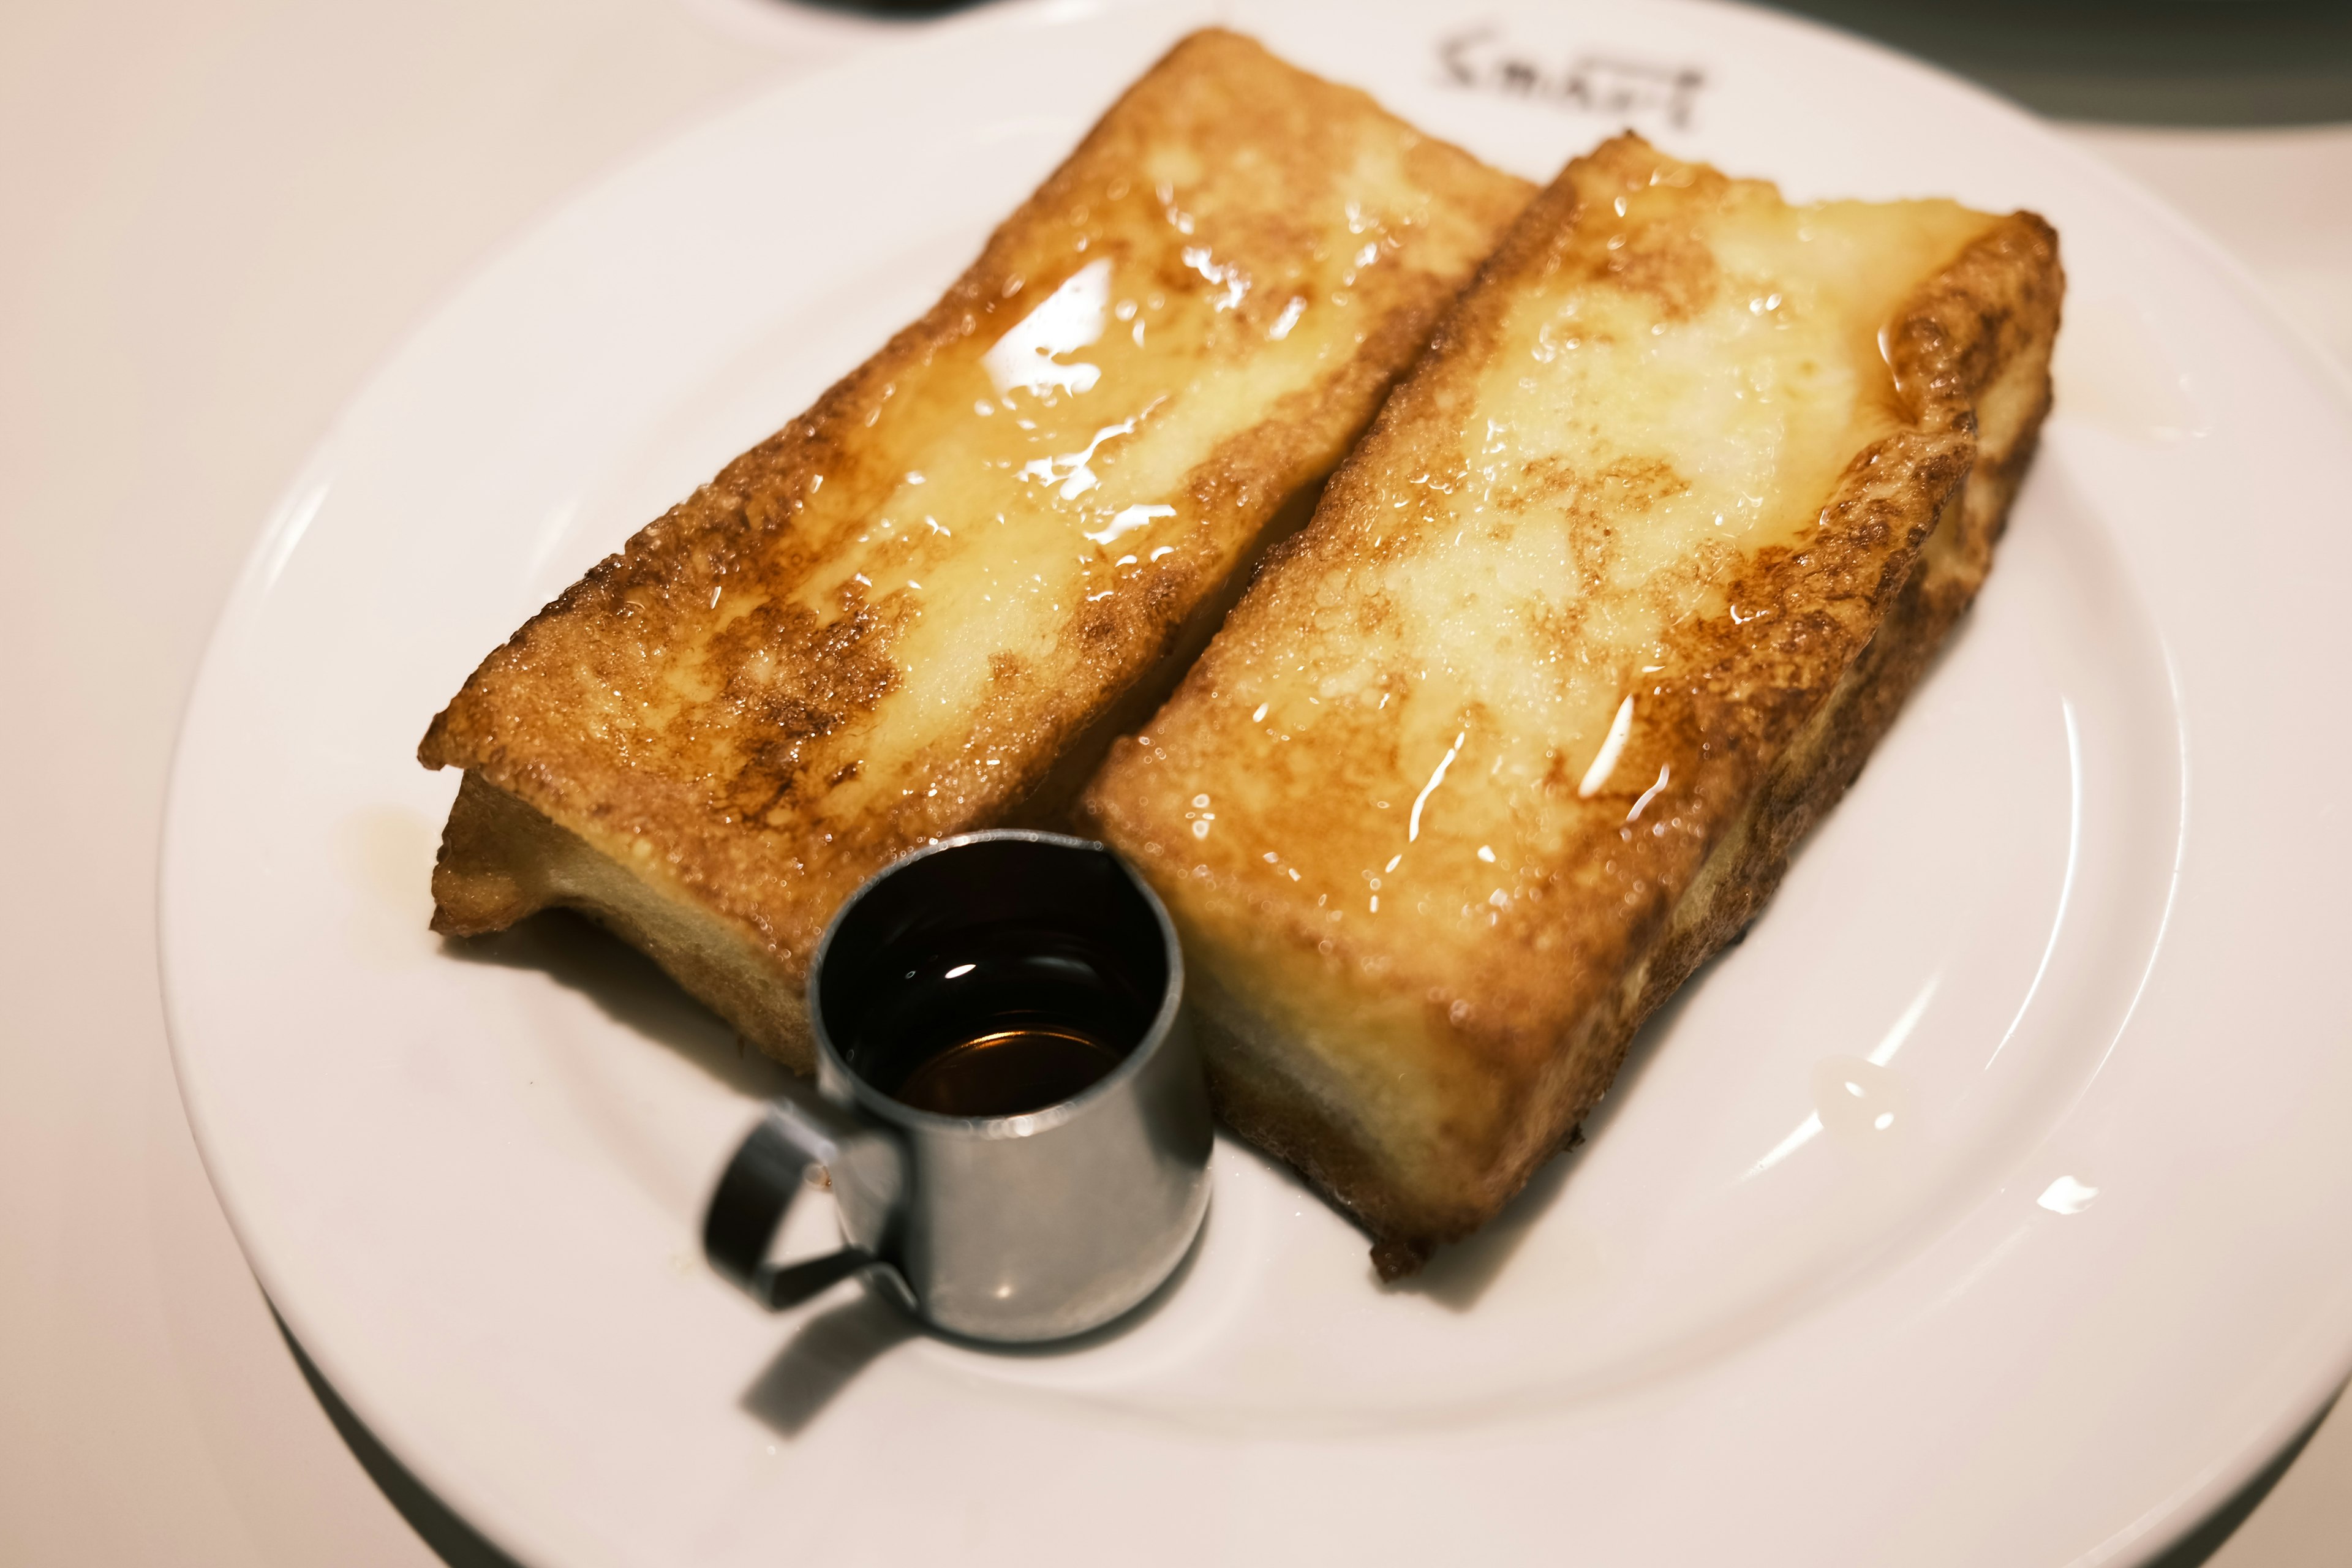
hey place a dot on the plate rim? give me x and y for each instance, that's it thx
(301, 501)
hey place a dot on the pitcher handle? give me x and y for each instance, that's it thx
(798, 1130)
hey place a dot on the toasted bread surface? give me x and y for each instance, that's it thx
(913, 610)
(1610, 603)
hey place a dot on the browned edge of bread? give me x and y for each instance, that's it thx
(1970, 353)
(546, 818)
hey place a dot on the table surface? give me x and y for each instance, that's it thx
(220, 215)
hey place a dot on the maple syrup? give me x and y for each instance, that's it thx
(1001, 1021)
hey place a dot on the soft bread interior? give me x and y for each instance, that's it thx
(500, 861)
(1608, 606)
(927, 604)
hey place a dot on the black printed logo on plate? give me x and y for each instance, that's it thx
(1612, 86)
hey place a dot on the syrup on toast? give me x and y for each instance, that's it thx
(1610, 604)
(918, 608)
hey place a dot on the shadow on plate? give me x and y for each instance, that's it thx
(849, 1338)
(2192, 1549)
(452, 1539)
(828, 1351)
(823, 1357)
(1459, 1274)
(628, 987)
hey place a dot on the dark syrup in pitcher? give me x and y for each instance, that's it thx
(1001, 1022)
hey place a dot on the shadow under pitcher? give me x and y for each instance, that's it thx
(1008, 1099)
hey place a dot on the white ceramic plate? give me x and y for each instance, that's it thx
(2075, 1259)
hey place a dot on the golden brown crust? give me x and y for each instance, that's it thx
(726, 712)
(1761, 715)
(500, 860)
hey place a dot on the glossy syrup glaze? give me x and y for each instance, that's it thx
(1035, 486)
(886, 623)
(1499, 648)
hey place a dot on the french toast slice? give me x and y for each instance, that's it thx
(1608, 607)
(929, 604)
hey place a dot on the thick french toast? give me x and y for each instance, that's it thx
(1610, 604)
(918, 608)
